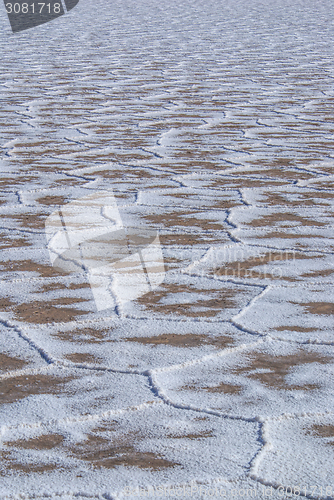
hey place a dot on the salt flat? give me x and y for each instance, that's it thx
(211, 123)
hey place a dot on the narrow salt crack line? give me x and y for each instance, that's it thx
(99, 368)
(44, 354)
(268, 446)
(180, 406)
(265, 289)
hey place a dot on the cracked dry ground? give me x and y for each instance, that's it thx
(213, 124)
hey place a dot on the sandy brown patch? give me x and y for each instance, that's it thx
(284, 218)
(225, 388)
(40, 312)
(84, 335)
(278, 367)
(323, 431)
(44, 442)
(12, 463)
(25, 266)
(31, 221)
(10, 363)
(301, 329)
(181, 219)
(6, 304)
(318, 307)
(9, 463)
(82, 357)
(12, 241)
(245, 269)
(49, 287)
(203, 307)
(189, 240)
(187, 340)
(243, 183)
(16, 180)
(52, 200)
(287, 236)
(191, 436)
(304, 199)
(118, 450)
(325, 184)
(128, 174)
(316, 274)
(283, 173)
(68, 182)
(20, 387)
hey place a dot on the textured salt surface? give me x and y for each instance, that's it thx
(212, 123)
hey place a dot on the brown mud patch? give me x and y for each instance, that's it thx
(304, 199)
(6, 304)
(10, 463)
(191, 436)
(300, 329)
(52, 200)
(316, 274)
(17, 388)
(245, 269)
(40, 312)
(25, 266)
(326, 308)
(84, 335)
(284, 218)
(187, 340)
(240, 183)
(203, 307)
(11, 241)
(10, 363)
(278, 367)
(31, 221)
(281, 173)
(50, 287)
(225, 388)
(323, 431)
(44, 442)
(190, 240)
(82, 357)
(182, 219)
(106, 453)
(16, 180)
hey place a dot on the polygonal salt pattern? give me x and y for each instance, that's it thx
(42, 395)
(298, 228)
(265, 378)
(146, 446)
(135, 345)
(211, 124)
(264, 266)
(302, 313)
(187, 297)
